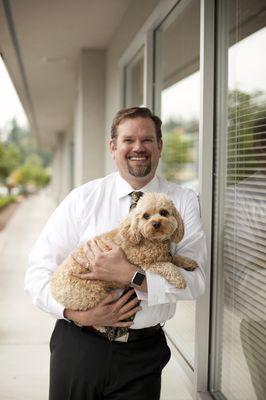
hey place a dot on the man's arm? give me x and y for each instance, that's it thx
(193, 246)
(110, 312)
(58, 239)
(109, 266)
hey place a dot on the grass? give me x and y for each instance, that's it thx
(5, 201)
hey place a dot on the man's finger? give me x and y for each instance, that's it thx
(95, 248)
(110, 298)
(124, 299)
(128, 306)
(130, 313)
(87, 251)
(112, 245)
(87, 276)
(123, 324)
(81, 261)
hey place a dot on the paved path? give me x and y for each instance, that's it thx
(25, 330)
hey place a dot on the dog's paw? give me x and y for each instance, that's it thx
(178, 281)
(191, 265)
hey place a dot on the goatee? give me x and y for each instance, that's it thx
(139, 170)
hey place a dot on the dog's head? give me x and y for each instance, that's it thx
(154, 218)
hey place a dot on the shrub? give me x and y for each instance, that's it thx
(4, 201)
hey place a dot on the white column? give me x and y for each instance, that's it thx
(89, 120)
(62, 181)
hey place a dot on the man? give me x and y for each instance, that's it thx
(85, 365)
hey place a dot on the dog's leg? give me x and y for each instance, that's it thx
(170, 272)
(185, 262)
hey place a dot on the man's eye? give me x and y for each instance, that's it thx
(146, 216)
(128, 141)
(164, 213)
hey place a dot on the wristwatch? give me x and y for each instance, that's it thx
(137, 279)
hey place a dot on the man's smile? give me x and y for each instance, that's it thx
(138, 158)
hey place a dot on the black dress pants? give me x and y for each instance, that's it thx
(85, 366)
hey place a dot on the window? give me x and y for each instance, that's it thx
(134, 73)
(239, 334)
(177, 85)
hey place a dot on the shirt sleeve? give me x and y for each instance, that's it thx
(58, 238)
(193, 246)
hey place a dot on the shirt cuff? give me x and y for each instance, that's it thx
(156, 289)
(141, 295)
(160, 291)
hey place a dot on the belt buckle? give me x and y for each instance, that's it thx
(123, 338)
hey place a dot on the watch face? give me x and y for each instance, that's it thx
(138, 279)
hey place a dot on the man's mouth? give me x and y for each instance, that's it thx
(138, 158)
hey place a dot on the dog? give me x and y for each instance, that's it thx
(145, 237)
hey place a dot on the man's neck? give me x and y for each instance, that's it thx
(138, 183)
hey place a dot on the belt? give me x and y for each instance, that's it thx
(131, 336)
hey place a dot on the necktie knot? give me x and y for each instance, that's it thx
(135, 196)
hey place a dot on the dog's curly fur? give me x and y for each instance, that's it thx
(145, 236)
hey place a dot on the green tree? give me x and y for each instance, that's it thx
(9, 160)
(27, 144)
(22, 161)
(244, 112)
(178, 151)
(31, 173)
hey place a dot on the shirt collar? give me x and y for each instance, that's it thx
(123, 188)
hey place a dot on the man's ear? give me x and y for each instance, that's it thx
(178, 234)
(129, 229)
(112, 148)
(160, 146)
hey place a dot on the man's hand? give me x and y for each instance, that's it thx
(110, 266)
(109, 312)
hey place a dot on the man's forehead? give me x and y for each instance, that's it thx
(130, 126)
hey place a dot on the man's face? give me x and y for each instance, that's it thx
(136, 150)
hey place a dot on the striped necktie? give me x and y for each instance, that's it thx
(135, 196)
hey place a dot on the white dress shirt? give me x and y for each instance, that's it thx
(97, 207)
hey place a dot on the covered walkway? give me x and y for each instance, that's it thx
(24, 330)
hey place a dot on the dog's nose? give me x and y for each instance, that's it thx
(156, 225)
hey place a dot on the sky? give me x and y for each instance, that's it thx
(9, 101)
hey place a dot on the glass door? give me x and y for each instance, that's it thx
(238, 367)
(177, 98)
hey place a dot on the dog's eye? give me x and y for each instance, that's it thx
(164, 213)
(146, 216)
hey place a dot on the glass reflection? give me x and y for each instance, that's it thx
(243, 358)
(178, 93)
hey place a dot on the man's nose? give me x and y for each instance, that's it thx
(138, 146)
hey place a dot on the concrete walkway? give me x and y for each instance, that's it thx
(24, 330)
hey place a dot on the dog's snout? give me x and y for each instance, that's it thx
(156, 225)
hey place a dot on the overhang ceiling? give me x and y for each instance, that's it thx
(41, 41)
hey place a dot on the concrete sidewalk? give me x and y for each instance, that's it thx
(24, 330)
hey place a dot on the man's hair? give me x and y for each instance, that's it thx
(135, 112)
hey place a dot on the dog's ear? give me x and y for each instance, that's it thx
(178, 234)
(129, 229)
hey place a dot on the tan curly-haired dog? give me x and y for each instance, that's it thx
(145, 237)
